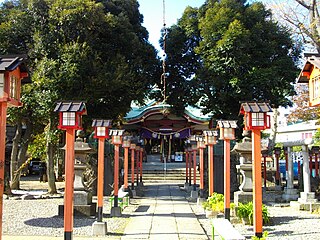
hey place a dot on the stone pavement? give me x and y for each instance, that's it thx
(164, 213)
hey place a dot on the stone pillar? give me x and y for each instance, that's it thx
(289, 192)
(306, 196)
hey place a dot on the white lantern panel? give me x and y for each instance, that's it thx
(1, 84)
(101, 131)
(257, 119)
(69, 119)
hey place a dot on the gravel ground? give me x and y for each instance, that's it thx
(286, 223)
(40, 216)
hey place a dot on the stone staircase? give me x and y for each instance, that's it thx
(156, 171)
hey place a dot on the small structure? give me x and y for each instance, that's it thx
(116, 141)
(101, 128)
(70, 120)
(211, 140)
(12, 71)
(256, 119)
(227, 133)
(310, 74)
(307, 198)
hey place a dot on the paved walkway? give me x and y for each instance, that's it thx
(164, 213)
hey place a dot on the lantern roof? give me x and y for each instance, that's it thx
(227, 123)
(116, 132)
(260, 107)
(101, 123)
(71, 106)
(210, 133)
(10, 63)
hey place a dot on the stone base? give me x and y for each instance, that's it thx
(80, 210)
(290, 194)
(242, 197)
(139, 191)
(99, 228)
(115, 212)
(307, 197)
(82, 198)
(134, 193)
(200, 201)
(277, 188)
(194, 194)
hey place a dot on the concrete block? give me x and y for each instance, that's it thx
(99, 228)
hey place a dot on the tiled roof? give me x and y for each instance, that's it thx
(9, 63)
(255, 107)
(116, 132)
(210, 133)
(312, 59)
(75, 106)
(101, 123)
(227, 123)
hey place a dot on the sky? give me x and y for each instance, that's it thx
(152, 10)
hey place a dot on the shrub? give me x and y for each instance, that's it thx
(245, 211)
(215, 203)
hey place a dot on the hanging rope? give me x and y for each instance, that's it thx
(164, 74)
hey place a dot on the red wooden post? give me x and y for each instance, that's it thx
(310, 162)
(116, 175)
(227, 178)
(69, 178)
(256, 119)
(257, 190)
(3, 120)
(137, 163)
(190, 164)
(277, 152)
(132, 147)
(211, 169)
(70, 120)
(100, 178)
(194, 169)
(141, 157)
(227, 132)
(210, 140)
(187, 165)
(126, 145)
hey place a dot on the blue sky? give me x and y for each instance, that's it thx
(152, 10)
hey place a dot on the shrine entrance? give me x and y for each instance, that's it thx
(163, 132)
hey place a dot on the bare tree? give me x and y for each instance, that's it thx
(302, 16)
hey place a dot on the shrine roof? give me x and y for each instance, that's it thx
(136, 113)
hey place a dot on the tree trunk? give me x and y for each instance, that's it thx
(15, 184)
(52, 189)
(21, 153)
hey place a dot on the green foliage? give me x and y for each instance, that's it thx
(245, 211)
(215, 203)
(38, 147)
(237, 53)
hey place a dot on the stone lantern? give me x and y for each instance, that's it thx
(244, 149)
(82, 198)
